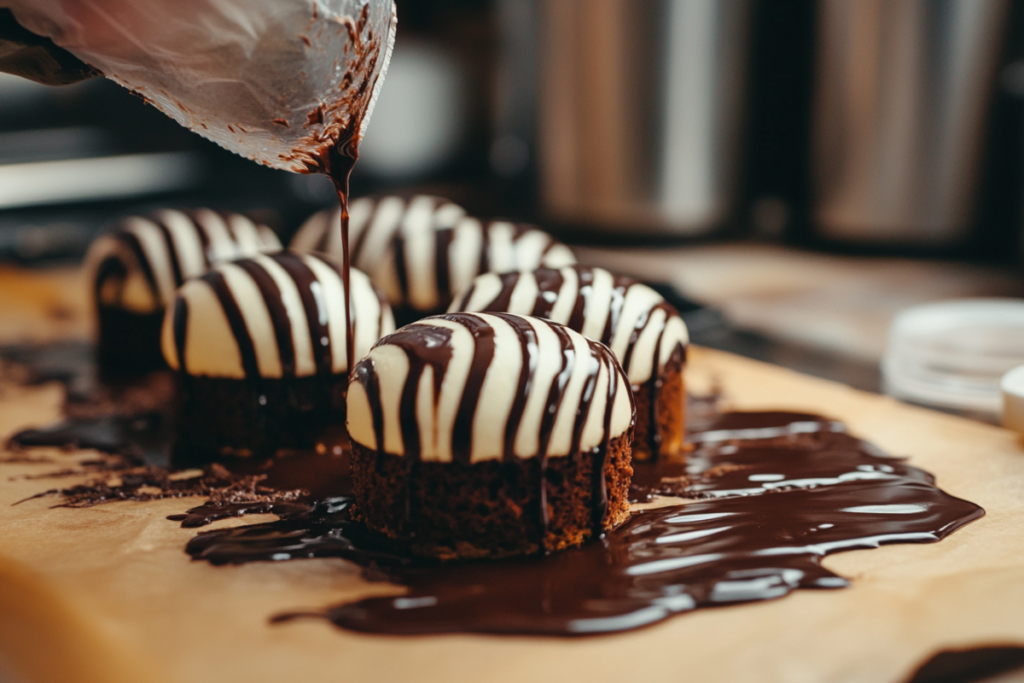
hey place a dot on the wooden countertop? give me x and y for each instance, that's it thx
(106, 593)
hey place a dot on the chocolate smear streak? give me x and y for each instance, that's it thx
(134, 463)
(780, 492)
(230, 495)
(130, 423)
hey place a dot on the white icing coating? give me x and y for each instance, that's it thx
(418, 234)
(209, 351)
(211, 348)
(497, 393)
(634, 308)
(246, 293)
(141, 248)
(393, 238)
(436, 415)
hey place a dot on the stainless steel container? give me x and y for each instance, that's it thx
(640, 112)
(902, 90)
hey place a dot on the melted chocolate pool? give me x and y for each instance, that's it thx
(780, 491)
(775, 493)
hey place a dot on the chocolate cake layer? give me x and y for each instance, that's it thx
(492, 508)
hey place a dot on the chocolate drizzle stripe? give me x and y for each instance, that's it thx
(552, 291)
(278, 313)
(314, 307)
(519, 252)
(401, 267)
(172, 252)
(528, 345)
(556, 391)
(598, 363)
(483, 357)
(423, 345)
(246, 348)
(549, 285)
(131, 240)
(584, 293)
(615, 304)
(508, 286)
(366, 375)
(204, 237)
(461, 303)
(442, 266)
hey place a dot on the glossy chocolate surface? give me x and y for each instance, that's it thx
(780, 491)
(775, 493)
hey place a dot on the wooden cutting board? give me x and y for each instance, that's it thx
(107, 593)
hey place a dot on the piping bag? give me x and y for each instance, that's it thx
(271, 80)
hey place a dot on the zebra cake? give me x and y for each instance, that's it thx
(488, 435)
(136, 268)
(643, 330)
(423, 251)
(260, 347)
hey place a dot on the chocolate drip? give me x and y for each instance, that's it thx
(841, 494)
(339, 147)
(600, 493)
(338, 151)
(547, 423)
(424, 345)
(346, 263)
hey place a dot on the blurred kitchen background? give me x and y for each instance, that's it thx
(793, 172)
